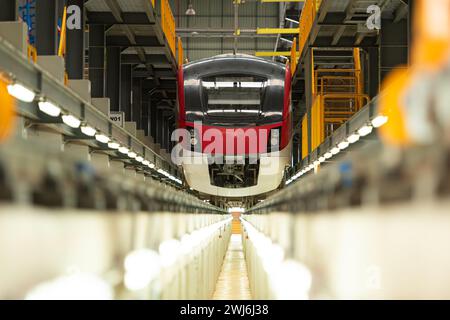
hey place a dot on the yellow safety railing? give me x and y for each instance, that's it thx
(337, 95)
(307, 18)
(7, 110)
(180, 52)
(153, 3)
(168, 25)
(32, 53)
(318, 123)
(304, 136)
(62, 37)
(294, 56)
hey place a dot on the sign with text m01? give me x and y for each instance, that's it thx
(117, 117)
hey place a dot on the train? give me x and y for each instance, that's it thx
(237, 112)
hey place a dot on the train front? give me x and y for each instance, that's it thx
(235, 111)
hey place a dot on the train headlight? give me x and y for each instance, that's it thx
(274, 140)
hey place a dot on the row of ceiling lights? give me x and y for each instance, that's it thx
(365, 130)
(24, 94)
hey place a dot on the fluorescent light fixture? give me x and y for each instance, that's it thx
(286, 40)
(316, 163)
(124, 150)
(365, 130)
(353, 138)
(343, 145)
(236, 209)
(49, 108)
(113, 145)
(146, 163)
(71, 121)
(89, 131)
(230, 84)
(328, 155)
(102, 138)
(132, 154)
(139, 159)
(379, 121)
(335, 151)
(292, 20)
(151, 166)
(20, 92)
(322, 159)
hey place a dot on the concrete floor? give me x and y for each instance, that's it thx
(233, 281)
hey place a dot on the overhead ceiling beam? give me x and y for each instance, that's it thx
(132, 18)
(113, 5)
(124, 41)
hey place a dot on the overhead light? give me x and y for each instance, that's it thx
(71, 121)
(379, 121)
(353, 138)
(87, 130)
(151, 166)
(292, 20)
(343, 145)
(146, 163)
(335, 151)
(365, 130)
(20, 92)
(124, 150)
(139, 159)
(49, 108)
(102, 138)
(113, 145)
(190, 10)
(328, 155)
(286, 40)
(322, 159)
(132, 154)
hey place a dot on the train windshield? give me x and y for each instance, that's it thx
(234, 99)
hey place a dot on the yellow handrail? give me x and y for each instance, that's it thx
(32, 53)
(62, 38)
(294, 56)
(7, 110)
(306, 21)
(168, 25)
(305, 136)
(180, 52)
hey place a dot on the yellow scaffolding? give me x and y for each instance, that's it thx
(304, 136)
(168, 25)
(277, 30)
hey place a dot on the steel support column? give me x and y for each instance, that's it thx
(126, 76)
(136, 113)
(393, 46)
(75, 39)
(145, 125)
(97, 60)
(113, 77)
(153, 114)
(47, 13)
(373, 71)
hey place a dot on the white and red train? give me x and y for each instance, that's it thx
(234, 97)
